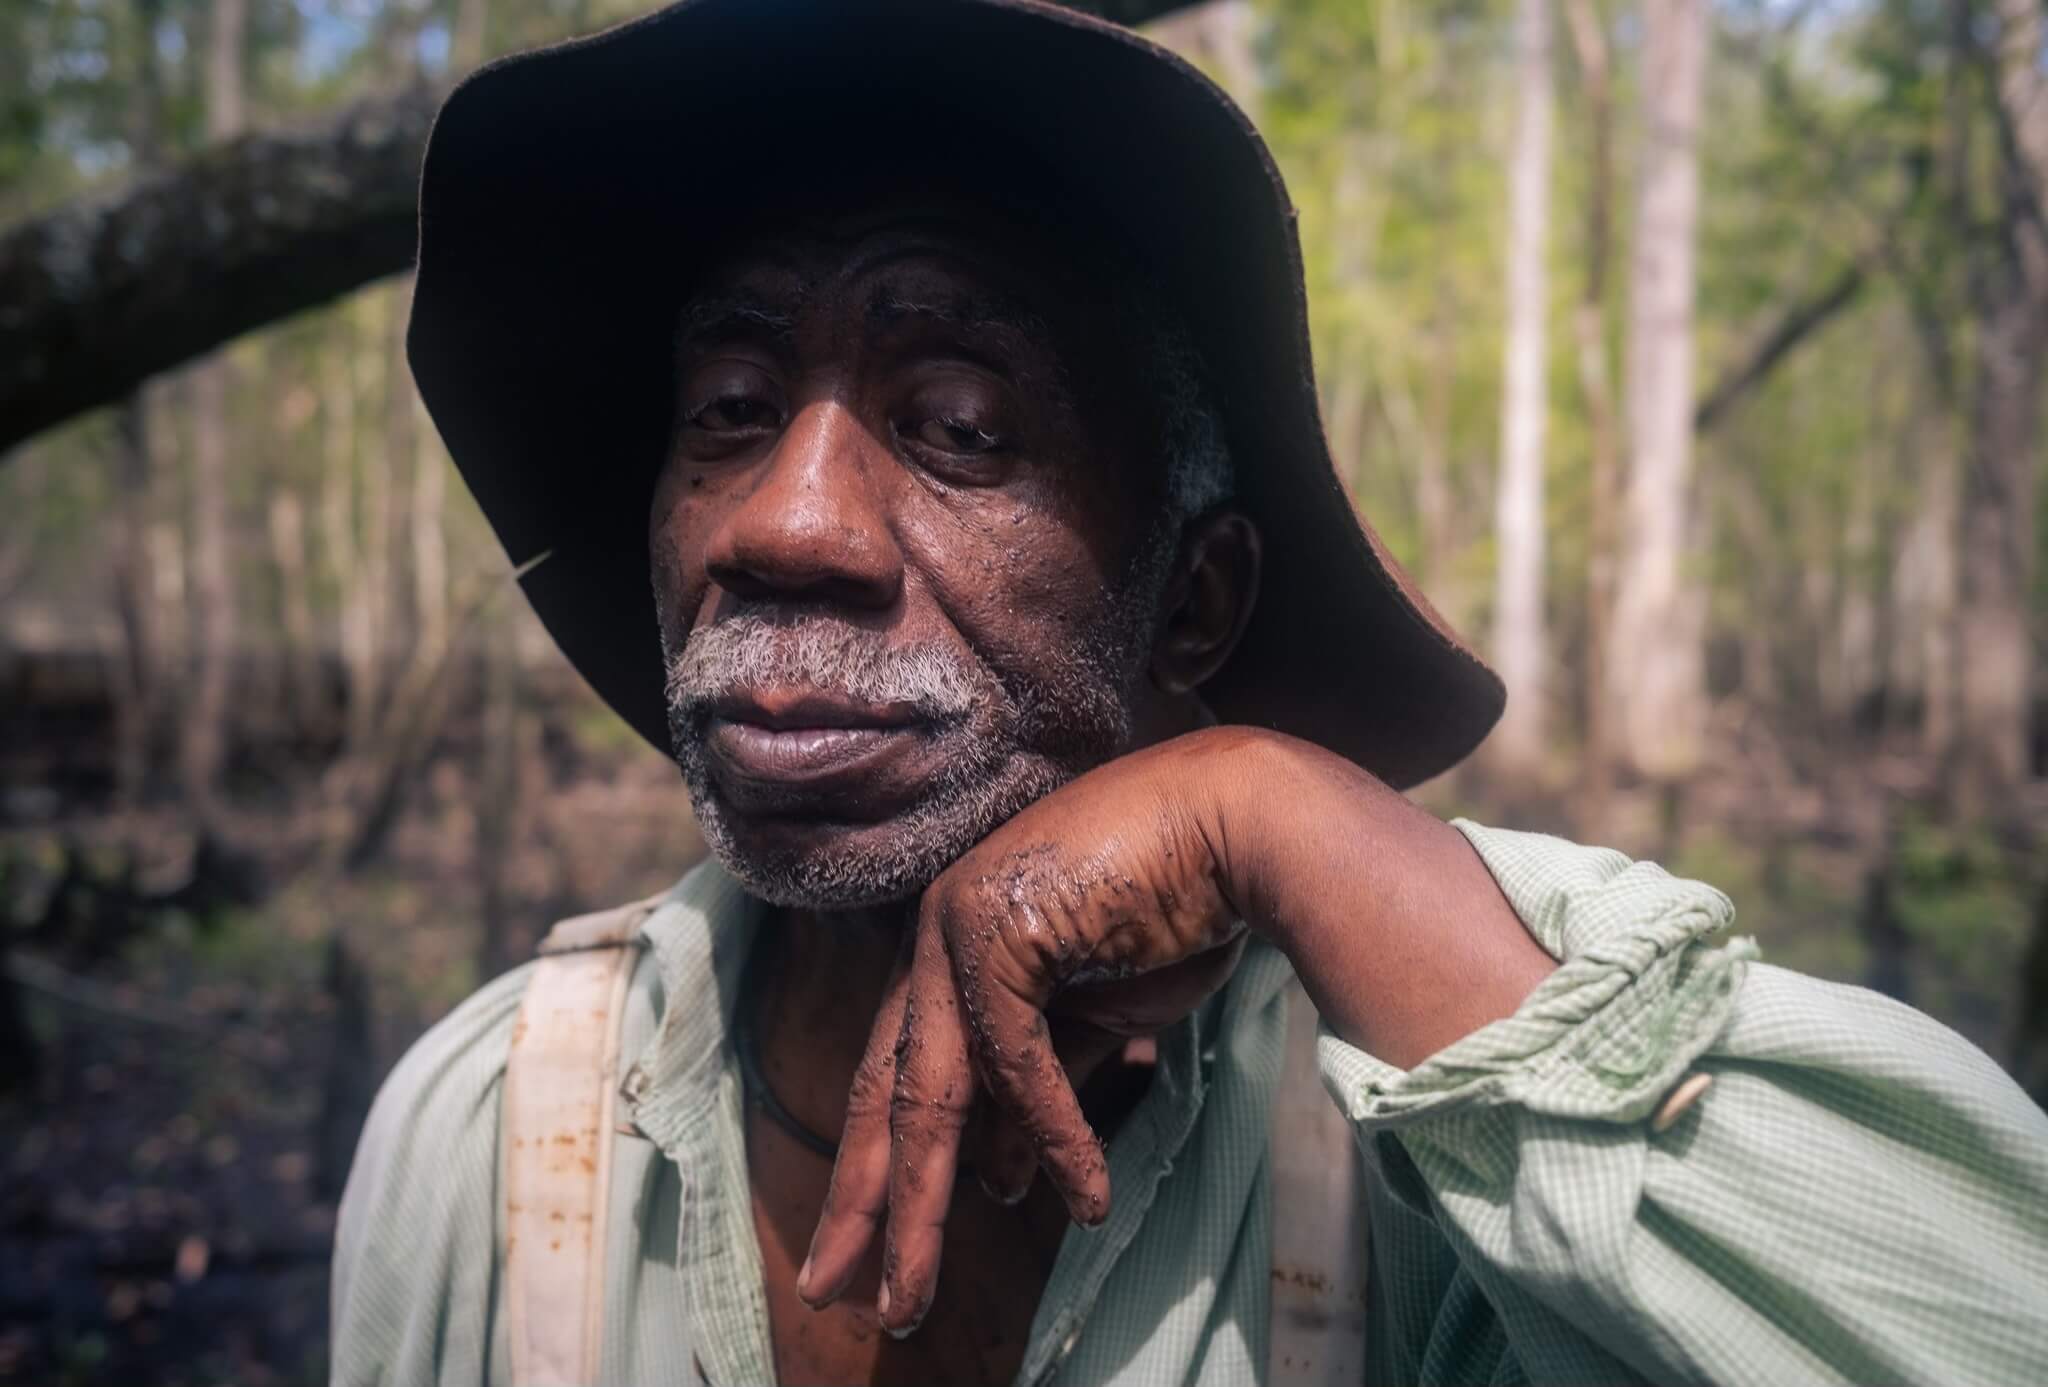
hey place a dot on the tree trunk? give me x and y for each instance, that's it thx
(1994, 640)
(137, 683)
(213, 594)
(203, 745)
(340, 549)
(1854, 637)
(348, 1082)
(1519, 648)
(1656, 678)
(401, 462)
(1348, 377)
(501, 785)
(378, 510)
(1995, 665)
(398, 732)
(1938, 624)
(1436, 489)
(287, 525)
(1588, 29)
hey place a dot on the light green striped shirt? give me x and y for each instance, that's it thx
(1860, 1196)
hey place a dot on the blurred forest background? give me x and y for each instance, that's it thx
(1692, 354)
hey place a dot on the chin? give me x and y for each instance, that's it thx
(821, 864)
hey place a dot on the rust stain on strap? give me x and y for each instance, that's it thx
(561, 1086)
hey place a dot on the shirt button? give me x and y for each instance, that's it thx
(1681, 1098)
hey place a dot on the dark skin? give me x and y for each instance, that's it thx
(979, 480)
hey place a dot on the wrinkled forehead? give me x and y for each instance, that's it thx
(899, 248)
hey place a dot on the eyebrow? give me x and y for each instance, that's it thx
(889, 308)
(725, 317)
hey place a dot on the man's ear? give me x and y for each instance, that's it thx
(1208, 599)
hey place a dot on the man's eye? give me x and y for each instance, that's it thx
(734, 414)
(955, 436)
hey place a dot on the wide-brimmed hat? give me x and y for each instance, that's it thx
(569, 194)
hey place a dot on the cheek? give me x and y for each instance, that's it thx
(680, 519)
(1018, 578)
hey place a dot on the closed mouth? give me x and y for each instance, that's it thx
(816, 741)
(809, 710)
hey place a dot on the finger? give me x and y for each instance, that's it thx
(1153, 1000)
(860, 1174)
(1013, 1053)
(928, 1113)
(1005, 1159)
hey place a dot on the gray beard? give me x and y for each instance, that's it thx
(1031, 733)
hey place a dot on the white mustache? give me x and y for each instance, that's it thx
(748, 651)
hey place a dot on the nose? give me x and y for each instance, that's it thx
(812, 527)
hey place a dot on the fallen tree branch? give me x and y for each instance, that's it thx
(103, 293)
(1800, 322)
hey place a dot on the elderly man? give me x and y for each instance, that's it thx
(944, 365)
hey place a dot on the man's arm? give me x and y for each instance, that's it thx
(1860, 1195)
(1507, 1020)
(1393, 923)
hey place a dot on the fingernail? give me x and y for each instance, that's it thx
(803, 1279)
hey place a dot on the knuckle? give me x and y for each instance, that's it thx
(944, 1111)
(868, 1098)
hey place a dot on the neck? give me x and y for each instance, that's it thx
(814, 1004)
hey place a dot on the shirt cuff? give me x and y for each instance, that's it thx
(1638, 994)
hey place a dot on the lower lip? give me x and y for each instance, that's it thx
(792, 754)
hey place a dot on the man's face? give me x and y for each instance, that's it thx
(905, 550)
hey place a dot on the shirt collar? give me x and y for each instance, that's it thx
(700, 934)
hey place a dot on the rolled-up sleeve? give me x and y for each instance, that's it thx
(1858, 1194)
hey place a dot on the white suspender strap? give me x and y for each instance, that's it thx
(1319, 1224)
(561, 1086)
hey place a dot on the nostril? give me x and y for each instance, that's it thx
(837, 577)
(740, 581)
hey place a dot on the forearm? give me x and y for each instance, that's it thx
(1620, 1239)
(1396, 928)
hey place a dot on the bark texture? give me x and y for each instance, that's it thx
(101, 294)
